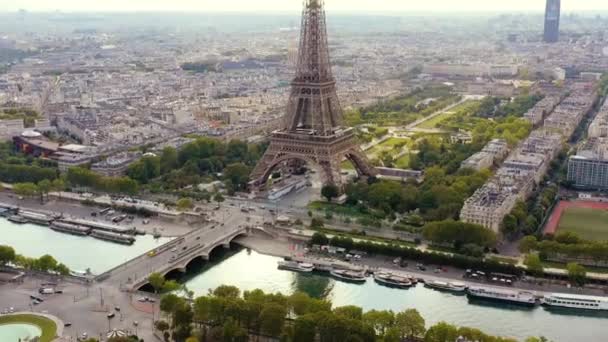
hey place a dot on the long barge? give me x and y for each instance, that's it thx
(37, 218)
(114, 237)
(70, 228)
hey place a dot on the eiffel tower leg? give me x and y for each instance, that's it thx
(259, 175)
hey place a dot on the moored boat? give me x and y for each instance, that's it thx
(296, 266)
(503, 295)
(572, 301)
(391, 280)
(445, 286)
(347, 275)
(17, 219)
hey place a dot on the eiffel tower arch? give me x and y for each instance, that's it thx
(313, 131)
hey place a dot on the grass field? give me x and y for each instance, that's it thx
(48, 327)
(432, 123)
(590, 224)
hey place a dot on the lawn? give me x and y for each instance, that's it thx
(48, 327)
(403, 162)
(432, 123)
(589, 224)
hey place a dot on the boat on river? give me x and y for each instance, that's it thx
(447, 286)
(17, 219)
(503, 295)
(70, 228)
(113, 237)
(348, 275)
(391, 280)
(296, 266)
(573, 301)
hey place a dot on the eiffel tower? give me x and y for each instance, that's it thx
(313, 131)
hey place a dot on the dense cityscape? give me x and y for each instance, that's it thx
(304, 176)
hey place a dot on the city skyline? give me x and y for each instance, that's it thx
(282, 5)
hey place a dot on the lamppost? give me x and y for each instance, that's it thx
(135, 324)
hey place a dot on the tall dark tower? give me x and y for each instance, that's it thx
(552, 16)
(313, 131)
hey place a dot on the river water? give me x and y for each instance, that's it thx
(76, 252)
(249, 270)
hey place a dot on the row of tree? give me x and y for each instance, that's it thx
(409, 253)
(45, 263)
(84, 178)
(227, 315)
(440, 197)
(526, 217)
(198, 161)
(558, 249)
(40, 189)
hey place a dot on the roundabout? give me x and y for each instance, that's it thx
(26, 326)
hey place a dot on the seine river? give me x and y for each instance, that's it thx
(249, 270)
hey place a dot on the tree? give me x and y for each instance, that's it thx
(316, 223)
(534, 264)
(441, 332)
(576, 273)
(46, 263)
(349, 311)
(25, 189)
(226, 291)
(218, 198)
(410, 323)
(156, 280)
(528, 243)
(305, 329)
(161, 326)
(184, 204)
(272, 319)
(168, 160)
(330, 191)
(171, 286)
(238, 175)
(7, 255)
(380, 320)
(44, 187)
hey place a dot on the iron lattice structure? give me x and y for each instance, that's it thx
(313, 131)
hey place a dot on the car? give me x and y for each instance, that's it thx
(142, 299)
(184, 248)
(151, 300)
(11, 309)
(117, 308)
(174, 250)
(59, 291)
(111, 315)
(67, 324)
(35, 302)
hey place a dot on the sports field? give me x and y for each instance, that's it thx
(590, 224)
(587, 219)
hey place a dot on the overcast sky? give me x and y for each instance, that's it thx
(295, 5)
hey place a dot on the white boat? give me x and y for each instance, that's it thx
(445, 286)
(296, 266)
(573, 301)
(352, 276)
(503, 295)
(391, 280)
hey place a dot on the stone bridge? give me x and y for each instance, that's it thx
(174, 255)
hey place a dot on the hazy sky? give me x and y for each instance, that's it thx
(295, 5)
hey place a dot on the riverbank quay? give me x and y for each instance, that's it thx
(288, 247)
(160, 225)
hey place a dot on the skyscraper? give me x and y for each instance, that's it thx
(552, 16)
